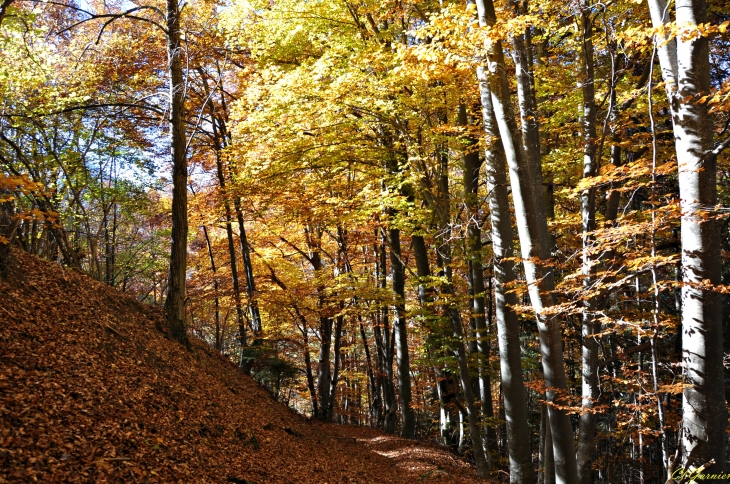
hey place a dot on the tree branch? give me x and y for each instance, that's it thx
(115, 16)
(4, 9)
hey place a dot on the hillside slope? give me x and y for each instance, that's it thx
(91, 391)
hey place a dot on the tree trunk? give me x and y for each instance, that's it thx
(686, 73)
(308, 363)
(323, 366)
(175, 298)
(219, 141)
(375, 394)
(589, 350)
(547, 461)
(452, 310)
(324, 377)
(385, 344)
(444, 382)
(508, 326)
(253, 306)
(218, 340)
(336, 369)
(527, 193)
(397, 271)
(472, 165)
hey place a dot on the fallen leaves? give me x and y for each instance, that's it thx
(90, 391)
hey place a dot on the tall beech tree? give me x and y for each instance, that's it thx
(686, 73)
(341, 143)
(527, 194)
(508, 327)
(175, 298)
(589, 350)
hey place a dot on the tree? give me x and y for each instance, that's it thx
(175, 300)
(686, 72)
(527, 193)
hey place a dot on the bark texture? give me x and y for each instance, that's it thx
(175, 299)
(527, 193)
(589, 346)
(472, 166)
(686, 72)
(397, 272)
(508, 326)
(450, 309)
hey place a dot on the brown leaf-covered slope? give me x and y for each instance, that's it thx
(91, 391)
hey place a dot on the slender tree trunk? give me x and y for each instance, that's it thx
(472, 166)
(380, 410)
(175, 298)
(324, 377)
(115, 227)
(444, 382)
(218, 340)
(232, 256)
(686, 73)
(375, 395)
(388, 390)
(397, 272)
(527, 193)
(323, 366)
(508, 326)
(219, 141)
(336, 369)
(466, 387)
(589, 350)
(308, 362)
(452, 310)
(253, 306)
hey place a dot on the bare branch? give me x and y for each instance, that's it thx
(114, 16)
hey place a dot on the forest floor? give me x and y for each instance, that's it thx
(92, 390)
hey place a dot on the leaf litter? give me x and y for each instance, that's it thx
(92, 391)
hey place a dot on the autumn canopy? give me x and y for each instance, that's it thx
(499, 226)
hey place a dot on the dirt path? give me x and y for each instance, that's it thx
(414, 461)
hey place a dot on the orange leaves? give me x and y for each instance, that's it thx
(611, 174)
(21, 183)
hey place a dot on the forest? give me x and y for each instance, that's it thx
(502, 226)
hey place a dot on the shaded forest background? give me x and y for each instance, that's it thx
(369, 205)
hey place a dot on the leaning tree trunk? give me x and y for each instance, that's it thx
(527, 193)
(253, 305)
(219, 142)
(218, 338)
(175, 298)
(686, 73)
(508, 326)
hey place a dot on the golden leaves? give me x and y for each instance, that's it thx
(641, 36)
